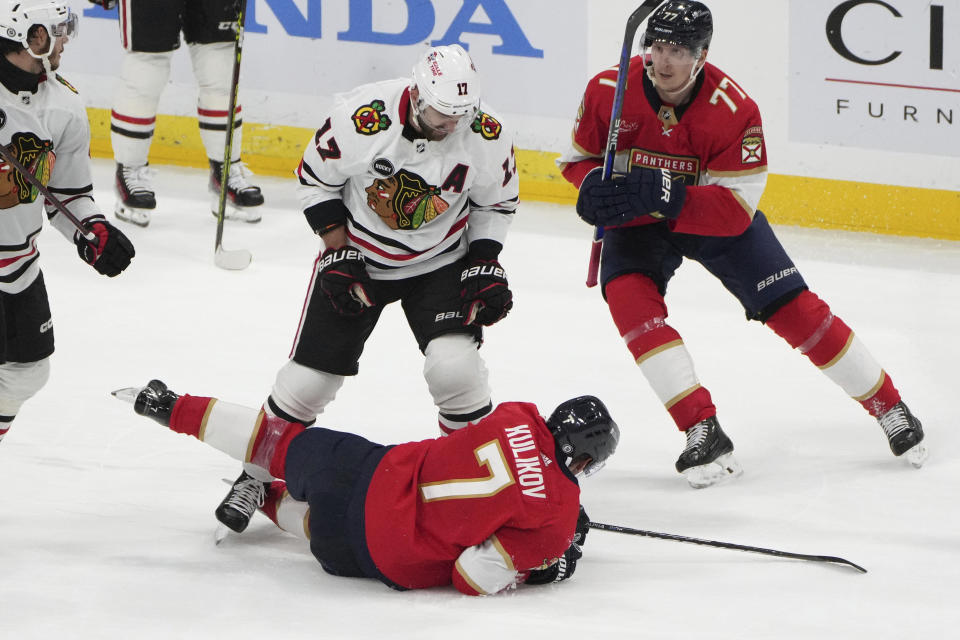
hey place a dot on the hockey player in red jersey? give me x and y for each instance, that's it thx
(44, 128)
(485, 508)
(411, 185)
(690, 168)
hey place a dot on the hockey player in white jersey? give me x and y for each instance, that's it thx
(150, 32)
(412, 185)
(43, 126)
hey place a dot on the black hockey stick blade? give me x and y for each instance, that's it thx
(725, 545)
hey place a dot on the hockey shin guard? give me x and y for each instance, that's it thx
(640, 314)
(807, 324)
(285, 512)
(243, 433)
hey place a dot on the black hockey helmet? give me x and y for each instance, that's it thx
(681, 22)
(584, 429)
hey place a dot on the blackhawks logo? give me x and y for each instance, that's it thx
(404, 200)
(487, 126)
(370, 118)
(37, 157)
(63, 81)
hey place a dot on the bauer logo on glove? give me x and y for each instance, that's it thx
(485, 296)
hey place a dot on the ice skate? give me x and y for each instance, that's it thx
(135, 195)
(243, 198)
(905, 434)
(153, 401)
(244, 498)
(708, 456)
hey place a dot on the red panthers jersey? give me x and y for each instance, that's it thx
(476, 508)
(713, 143)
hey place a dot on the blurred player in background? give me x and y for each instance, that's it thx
(150, 33)
(43, 127)
(484, 509)
(690, 167)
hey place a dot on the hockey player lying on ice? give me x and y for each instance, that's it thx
(485, 508)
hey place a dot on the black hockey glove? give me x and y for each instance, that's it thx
(567, 564)
(642, 192)
(106, 4)
(344, 278)
(485, 296)
(112, 251)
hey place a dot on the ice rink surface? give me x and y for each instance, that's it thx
(106, 519)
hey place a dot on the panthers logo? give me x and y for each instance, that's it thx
(37, 157)
(370, 118)
(487, 126)
(405, 201)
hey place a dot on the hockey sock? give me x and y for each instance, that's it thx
(640, 314)
(285, 512)
(133, 116)
(5, 422)
(243, 433)
(213, 68)
(807, 324)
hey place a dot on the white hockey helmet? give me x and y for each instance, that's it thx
(17, 16)
(448, 81)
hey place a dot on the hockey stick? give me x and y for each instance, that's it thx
(9, 158)
(724, 545)
(238, 258)
(633, 23)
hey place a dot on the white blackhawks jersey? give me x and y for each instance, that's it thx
(48, 133)
(414, 205)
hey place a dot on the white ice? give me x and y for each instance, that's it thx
(106, 519)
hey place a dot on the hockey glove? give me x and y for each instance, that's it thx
(484, 294)
(106, 4)
(567, 564)
(642, 192)
(344, 278)
(112, 251)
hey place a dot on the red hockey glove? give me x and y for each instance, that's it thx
(484, 293)
(567, 564)
(642, 192)
(112, 251)
(344, 278)
(106, 4)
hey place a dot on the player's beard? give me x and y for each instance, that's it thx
(430, 133)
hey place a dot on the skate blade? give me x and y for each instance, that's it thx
(917, 454)
(139, 217)
(221, 534)
(720, 470)
(127, 394)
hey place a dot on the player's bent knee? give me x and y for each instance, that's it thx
(456, 374)
(302, 392)
(20, 381)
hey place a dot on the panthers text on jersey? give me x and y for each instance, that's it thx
(713, 143)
